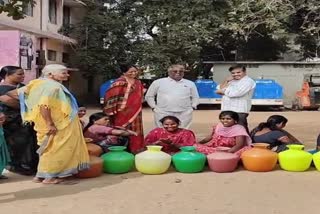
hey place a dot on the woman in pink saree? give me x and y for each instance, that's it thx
(227, 133)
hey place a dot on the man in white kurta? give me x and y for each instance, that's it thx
(173, 96)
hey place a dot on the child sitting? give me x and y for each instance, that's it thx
(82, 111)
(102, 134)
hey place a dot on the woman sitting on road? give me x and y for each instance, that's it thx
(170, 137)
(272, 132)
(227, 133)
(103, 135)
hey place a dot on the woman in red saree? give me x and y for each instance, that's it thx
(170, 137)
(123, 103)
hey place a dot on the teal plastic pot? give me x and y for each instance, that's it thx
(117, 161)
(188, 160)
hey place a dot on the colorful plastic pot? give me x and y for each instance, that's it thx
(316, 160)
(188, 160)
(222, 161)
(117, 161)
(259, 158)
(153, 161)
(94, 149)
(95, 169)
(295, 159)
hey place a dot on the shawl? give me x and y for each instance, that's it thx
(232, 131)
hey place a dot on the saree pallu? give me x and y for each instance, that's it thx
(225, 137)
(123, 102)
(4, 154)
(62, 154)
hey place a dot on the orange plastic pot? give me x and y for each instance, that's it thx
(95, 170)
(94, 149)
(259, 158)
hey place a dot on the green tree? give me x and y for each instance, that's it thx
(284, 19)
(159, 33)
(14, 8)
(105, 39)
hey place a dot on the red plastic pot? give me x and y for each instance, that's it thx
(222, 161)
(95, 170)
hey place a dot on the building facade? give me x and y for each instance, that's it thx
(37, 39)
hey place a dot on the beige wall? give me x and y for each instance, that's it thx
(290, 77)
(34, 22)
(50, 44)
(77, 84)
(55, 27)
(29, 21)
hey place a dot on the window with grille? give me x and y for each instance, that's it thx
(52, 55)
(66, 16)
(53, 11)
(28, 9)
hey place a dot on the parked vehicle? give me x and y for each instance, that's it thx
(267, 93)
(308, 98)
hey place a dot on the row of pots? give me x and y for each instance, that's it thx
(154, 161)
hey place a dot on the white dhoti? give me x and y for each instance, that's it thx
(185, 117)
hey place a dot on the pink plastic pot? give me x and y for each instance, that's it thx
(221, 161)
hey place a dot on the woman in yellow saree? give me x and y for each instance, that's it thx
(53, 109)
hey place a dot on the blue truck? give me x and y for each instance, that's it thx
(267, 93)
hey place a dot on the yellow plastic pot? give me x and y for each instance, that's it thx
(316, 160)
(153, 161)
(295, 159)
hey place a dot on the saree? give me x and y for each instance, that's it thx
(20, 138)
(182, 137)
(65, 153)
(225, 137)
(123, 103)
(4, 153)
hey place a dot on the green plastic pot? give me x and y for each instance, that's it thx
(117, 161)
(188, 160)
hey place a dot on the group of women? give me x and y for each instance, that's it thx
(123, 107)
(226, 133)
(42, 134)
